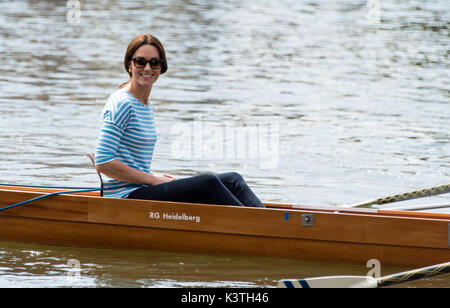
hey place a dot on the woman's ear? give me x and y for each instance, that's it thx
(129, 67)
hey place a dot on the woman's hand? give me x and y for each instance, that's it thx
(117, 170)
(162, 178)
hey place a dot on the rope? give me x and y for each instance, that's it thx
(71, 191)
(54, 187)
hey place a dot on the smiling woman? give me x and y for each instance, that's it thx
(127, 139)
(141, 46)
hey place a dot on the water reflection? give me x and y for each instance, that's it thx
(362, 107)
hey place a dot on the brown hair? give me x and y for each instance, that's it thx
(135, 44)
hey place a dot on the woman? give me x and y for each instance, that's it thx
(125, 146)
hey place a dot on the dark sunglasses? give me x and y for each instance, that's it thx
(155, 63)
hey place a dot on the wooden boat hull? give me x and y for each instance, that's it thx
(355, 236)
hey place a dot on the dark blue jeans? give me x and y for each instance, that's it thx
(225, 189)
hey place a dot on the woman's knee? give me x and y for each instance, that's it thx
(209, 178)
(232, 177)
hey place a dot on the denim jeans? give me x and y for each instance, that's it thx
(225, 189)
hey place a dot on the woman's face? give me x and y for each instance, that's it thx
(147, 75)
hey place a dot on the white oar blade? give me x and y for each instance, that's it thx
(330, 282)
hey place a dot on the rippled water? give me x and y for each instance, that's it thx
(353, 109)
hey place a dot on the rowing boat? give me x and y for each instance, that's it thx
(337, 234)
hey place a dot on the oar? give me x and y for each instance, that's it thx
(433, 191)
(433, 206)
(366, 281)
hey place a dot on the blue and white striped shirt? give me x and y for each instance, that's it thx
(127, 134)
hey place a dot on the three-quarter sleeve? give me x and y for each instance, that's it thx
(114, 121)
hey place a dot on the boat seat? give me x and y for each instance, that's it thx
(92, 158)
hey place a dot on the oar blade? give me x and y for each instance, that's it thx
(330, 282)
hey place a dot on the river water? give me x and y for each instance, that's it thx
(313, 102)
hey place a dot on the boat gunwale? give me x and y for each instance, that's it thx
(269, 205)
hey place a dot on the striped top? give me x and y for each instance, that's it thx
(127, 134)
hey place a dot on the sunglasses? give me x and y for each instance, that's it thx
(155, 63)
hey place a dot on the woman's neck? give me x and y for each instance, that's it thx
(140, 93)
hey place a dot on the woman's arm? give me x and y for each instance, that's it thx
(119, 171)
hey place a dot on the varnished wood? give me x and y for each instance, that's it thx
(349, 236)
(272, 222)
(45, 190)
(120, 237)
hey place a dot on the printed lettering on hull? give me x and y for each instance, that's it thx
(174, 216)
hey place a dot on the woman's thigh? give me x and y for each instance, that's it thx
(206, 188)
